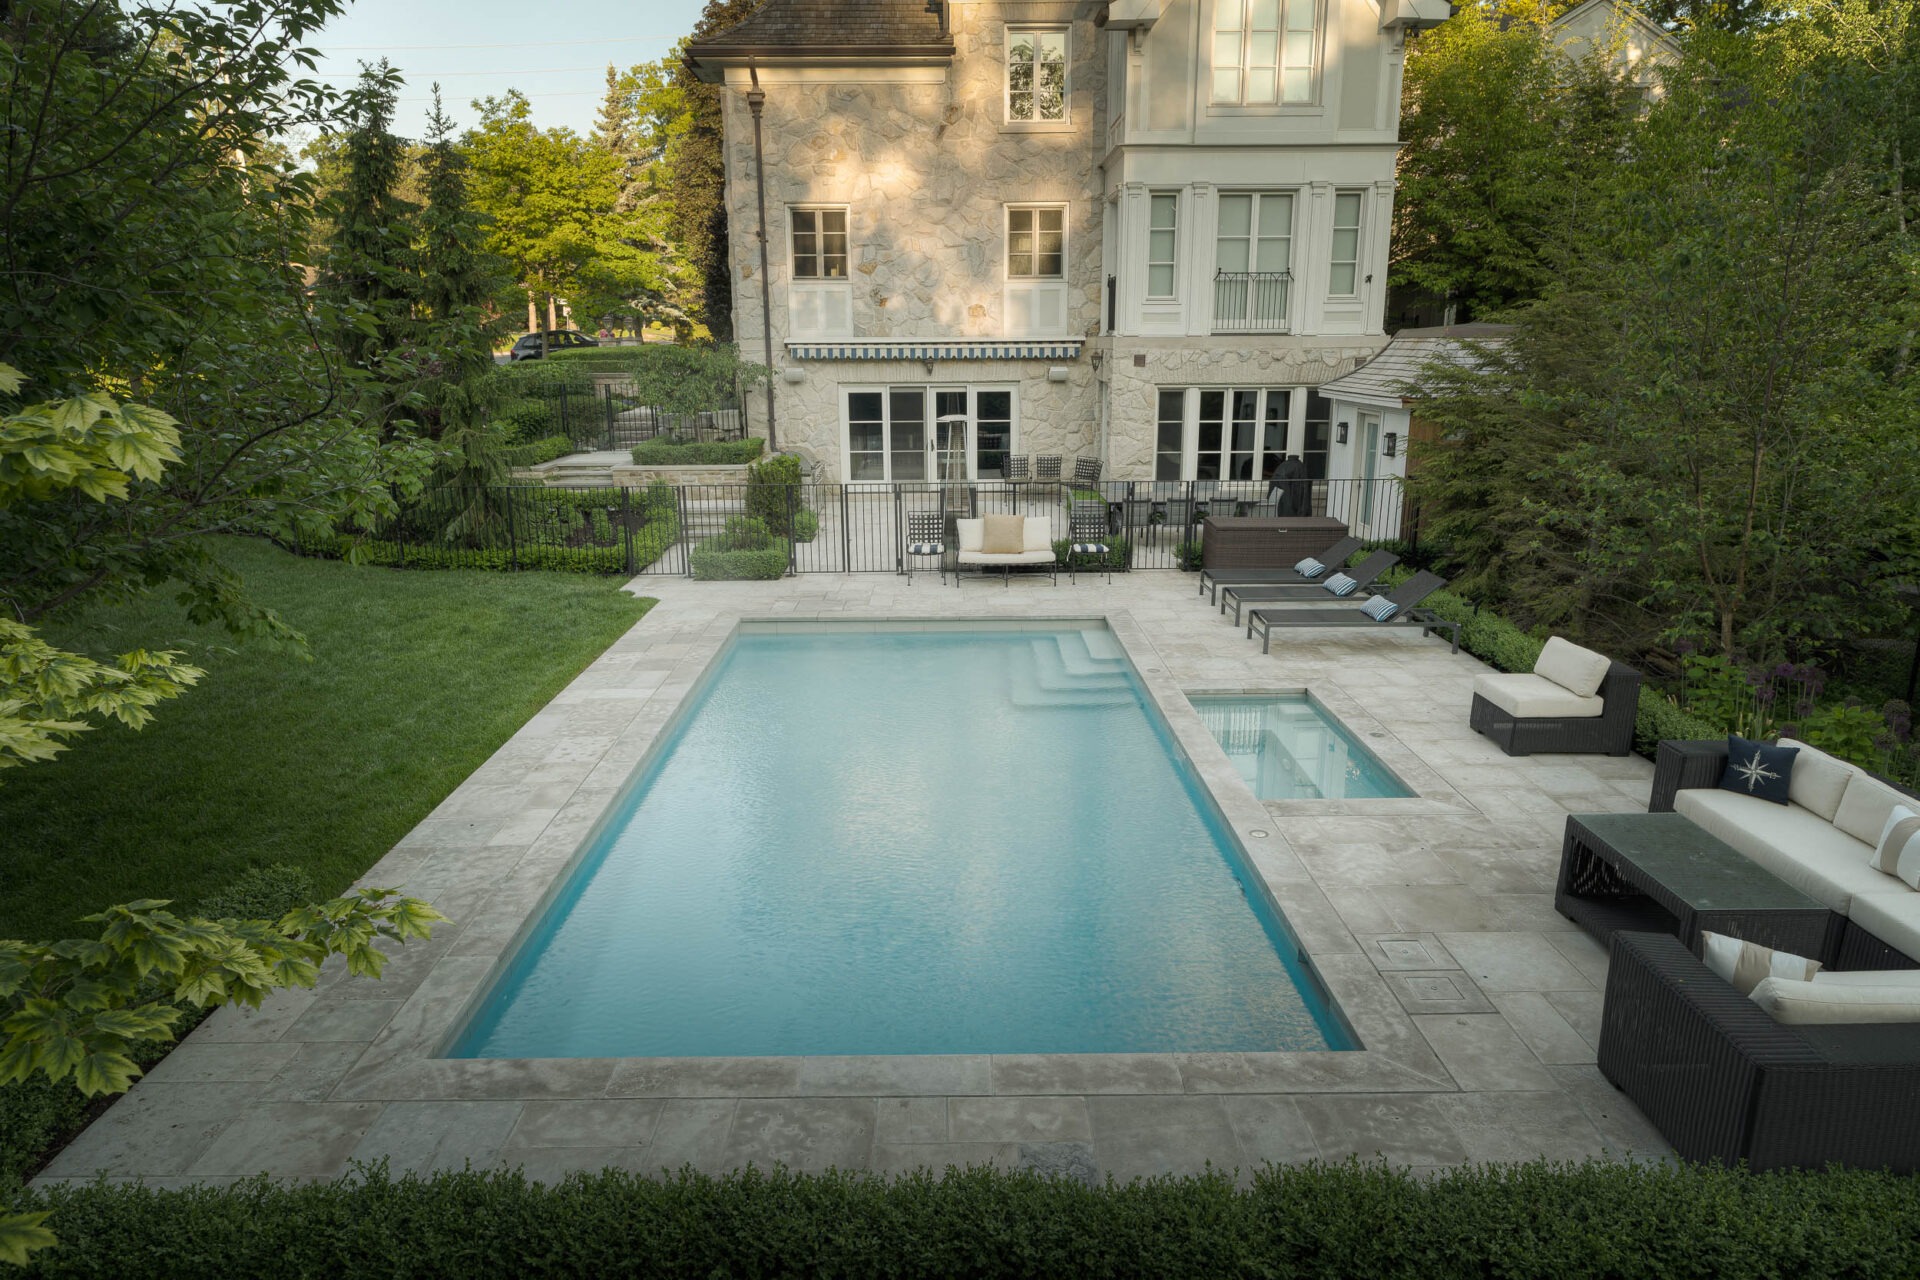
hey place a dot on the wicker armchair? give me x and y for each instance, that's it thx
(1724, 1082)
(1609, 733)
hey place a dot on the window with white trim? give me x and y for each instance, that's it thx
(1344, 278)
(1253, 259)
(820, 293)
(1228, 435)
(1036, 75)
(1036, 288)
(1036, 242)
(819, 244)
(1162, 243)
(1263, 52)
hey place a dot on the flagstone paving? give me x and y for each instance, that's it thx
(1430, 920)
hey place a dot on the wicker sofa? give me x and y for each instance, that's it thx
(1724, 1081)
(1565, 704)
(1036, 548)
(1820, 842)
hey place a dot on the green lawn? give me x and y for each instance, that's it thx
(415, 678)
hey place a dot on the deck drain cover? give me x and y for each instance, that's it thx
(1258, 835)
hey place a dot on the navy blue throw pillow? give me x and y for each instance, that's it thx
(1758, 769)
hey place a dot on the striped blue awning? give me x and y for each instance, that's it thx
(951, 349)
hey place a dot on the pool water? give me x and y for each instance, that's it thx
(908, 842)
(1288, 747)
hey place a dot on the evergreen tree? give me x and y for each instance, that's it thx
(699, 178)
(370, 263)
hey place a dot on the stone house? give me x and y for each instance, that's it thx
(1143, 230)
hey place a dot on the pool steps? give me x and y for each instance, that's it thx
(1076, 669)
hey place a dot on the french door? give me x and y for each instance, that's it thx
(900, 435)
(1222, 433)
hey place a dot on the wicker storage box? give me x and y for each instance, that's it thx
(1266, 542)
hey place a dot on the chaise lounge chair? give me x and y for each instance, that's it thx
(1334, 586)
(1395, 609)
(1333, 557)
(1036, 546)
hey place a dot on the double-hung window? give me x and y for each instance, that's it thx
(1263, 52)
(1036, 294)
(820, 295)
(1036, 76)
(1163, 244)
(1344, 277)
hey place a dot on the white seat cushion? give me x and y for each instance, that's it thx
(1818, 781)
(1529, 696)
(1893, 916)
(971, 532)
(1578, 671)
(1864, 808)
(1809, 854)
(1816, 1004)
(1012, 557)
(1039, 536)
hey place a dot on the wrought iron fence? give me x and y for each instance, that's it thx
(830, 528)
(1250, 301)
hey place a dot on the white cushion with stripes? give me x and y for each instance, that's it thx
(926, 549)
(1309, 568)
(1090, 548)
(1379, 608)
(1897, 851)
(1746, 964)
(1341, 585)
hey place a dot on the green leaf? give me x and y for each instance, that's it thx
(21, 1234)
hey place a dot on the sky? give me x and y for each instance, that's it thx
(556, 52)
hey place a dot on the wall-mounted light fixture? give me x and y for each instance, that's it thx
(1393, 441)
(793, 374)
(1057, 373)
(1340, 434)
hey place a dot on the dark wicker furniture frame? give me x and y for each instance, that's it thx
(1622, 871)
(1609, 733)
(1682, 763)
(1724, 1082)
(1335, 556)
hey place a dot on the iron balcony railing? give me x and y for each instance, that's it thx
(1250, 301)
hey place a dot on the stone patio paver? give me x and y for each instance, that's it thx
(1397, 902)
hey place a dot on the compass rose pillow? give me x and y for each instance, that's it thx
(1758, 769)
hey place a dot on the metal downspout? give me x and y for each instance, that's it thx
(756, 101)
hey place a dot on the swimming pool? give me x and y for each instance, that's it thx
(1289, 747)
(908, 842)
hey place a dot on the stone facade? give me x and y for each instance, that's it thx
(926, 172)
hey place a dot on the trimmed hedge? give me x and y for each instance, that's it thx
(745, 548)
(537, 451)
(1625, 1221)
(711, 453)
(548, 519)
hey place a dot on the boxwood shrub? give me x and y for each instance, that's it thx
(744, 549)
(692, 453)
(1569, 1222)
(535, 452)
(1119, 556)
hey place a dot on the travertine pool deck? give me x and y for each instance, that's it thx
(1430, 920)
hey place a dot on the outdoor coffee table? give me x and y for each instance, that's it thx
(1659, 873)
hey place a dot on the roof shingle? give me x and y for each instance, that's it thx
(836, 24)
(1385, 378)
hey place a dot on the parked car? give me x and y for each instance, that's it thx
(530, 345)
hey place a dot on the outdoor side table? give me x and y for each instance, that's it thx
(1659, 873)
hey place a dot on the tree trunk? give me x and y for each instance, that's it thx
(533, 315)
(553, 321)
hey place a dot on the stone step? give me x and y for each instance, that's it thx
(1050, 672)
(1101, 644)
(1028, 692)
(1079, 659)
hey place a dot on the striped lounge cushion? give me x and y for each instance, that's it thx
(926, 549)
(1379, 608)
(1090, 548)
(1744, 964)
(1309, 568)
(1341, 585)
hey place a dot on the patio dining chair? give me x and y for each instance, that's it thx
(1046, 470)
(926, 537)
(1017, 471)
(1086, 473)
(1087, 536)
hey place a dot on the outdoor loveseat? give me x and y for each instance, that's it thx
(1574, 700)
(1036, 545)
